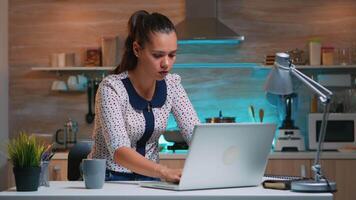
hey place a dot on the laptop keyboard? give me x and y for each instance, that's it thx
(160, 184)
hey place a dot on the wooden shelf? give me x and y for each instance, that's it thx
(327, 67)
(176, 66)
(202, 65)
(317, 67)
(72, 68)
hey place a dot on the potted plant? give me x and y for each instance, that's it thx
(25, 155)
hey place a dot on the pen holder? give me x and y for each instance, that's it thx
(44, 175)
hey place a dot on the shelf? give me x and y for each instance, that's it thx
(327, 67)
(316, 67)
(176, 66)
(202, 65)
(72, 68)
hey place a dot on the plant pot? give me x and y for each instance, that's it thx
(27, 179)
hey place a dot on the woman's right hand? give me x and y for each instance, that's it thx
(169, 175)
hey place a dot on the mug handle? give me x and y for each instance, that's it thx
(81, 170)
(57, 136)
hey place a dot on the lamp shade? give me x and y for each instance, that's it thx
(279, 81)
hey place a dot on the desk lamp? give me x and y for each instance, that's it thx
(279, 82)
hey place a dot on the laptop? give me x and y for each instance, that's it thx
(224, 155)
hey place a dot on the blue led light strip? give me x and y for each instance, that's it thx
(218, 41)
(217, 65)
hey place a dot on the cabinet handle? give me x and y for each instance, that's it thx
(302, 171)
(57, 172)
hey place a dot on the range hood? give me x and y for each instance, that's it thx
(201, 25)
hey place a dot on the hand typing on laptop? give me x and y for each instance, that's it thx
(169, 175)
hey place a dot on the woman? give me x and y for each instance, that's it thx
(133, 104)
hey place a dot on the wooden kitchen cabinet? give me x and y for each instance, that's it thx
(343, 172)
(58, 170)
(173, 163)
(291, 167)
(275, 166)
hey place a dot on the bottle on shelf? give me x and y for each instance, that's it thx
(315, 52)
(314, 104)
(327, 55)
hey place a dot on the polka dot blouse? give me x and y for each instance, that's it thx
(124, 119)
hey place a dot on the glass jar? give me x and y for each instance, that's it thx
(327, 55)
(353, 53)
(344, 56)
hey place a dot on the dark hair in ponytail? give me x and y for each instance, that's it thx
(141, 24)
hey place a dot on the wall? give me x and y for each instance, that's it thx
(4, 91)
(39, 28)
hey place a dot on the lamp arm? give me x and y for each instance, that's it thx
(325, 96)
(322, 132)
(323, 93)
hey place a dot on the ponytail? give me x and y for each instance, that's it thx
(140, 25)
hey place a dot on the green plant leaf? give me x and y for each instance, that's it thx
(25, 151)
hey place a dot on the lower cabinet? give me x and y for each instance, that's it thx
(173, 163)
(290, 167)
(343, 172)
(58, 170)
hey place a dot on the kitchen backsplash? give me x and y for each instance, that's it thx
(40, 28)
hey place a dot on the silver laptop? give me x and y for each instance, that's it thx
(224, 155)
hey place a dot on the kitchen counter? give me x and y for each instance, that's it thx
(273, 155)
(281, 155)
(338, 166)
(70, 190)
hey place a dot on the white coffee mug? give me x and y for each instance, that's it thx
(72, 83)
(59, 86)
(62, 86)
(82, 82)
(54, 60)
(61, 59)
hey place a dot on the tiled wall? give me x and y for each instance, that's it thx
(39, 28)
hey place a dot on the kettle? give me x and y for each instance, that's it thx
(220, 119)
(68, 134)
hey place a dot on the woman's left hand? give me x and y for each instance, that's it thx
(169, 175)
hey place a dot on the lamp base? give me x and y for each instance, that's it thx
(313, 186)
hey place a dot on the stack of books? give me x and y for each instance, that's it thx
(269, 59)
(280, 182)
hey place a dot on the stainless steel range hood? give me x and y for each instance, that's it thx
(201, 25)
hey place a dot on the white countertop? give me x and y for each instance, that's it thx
(281, 155)
(70, 190)
(273, 155)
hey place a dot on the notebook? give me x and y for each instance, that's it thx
(224, 155)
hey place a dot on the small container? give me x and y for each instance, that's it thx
(353, 53)
(327, 55)
(315, 52)
(344, 57)
(44, 175)
(314, 104)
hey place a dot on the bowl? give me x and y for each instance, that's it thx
(173, 136)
